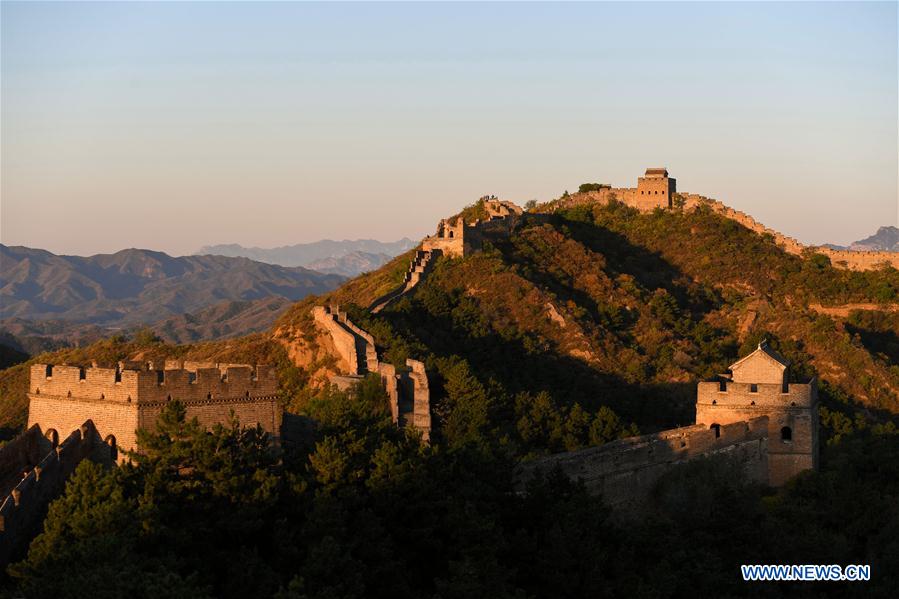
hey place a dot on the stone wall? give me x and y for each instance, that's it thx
(119, 401)
(112, 418)
(853, 260)
(355, 346)
(409, 396)
(153, 386)
(759, 370)
(654, 191)
(417, 388)
(418, 268)
(20, 455)
(795, 410)
(457, 238)
(22, 511)
(624, 472)
(839, 258)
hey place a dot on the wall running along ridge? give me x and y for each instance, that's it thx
(407, 389)
(415, 273)
(769, 426)
(23, 508)
(624, 472)
(457, 238)
(847, 259)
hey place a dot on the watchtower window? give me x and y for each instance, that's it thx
(81, 374)
(717, 428)
(722, 386)
(49, 372)
(118, 376)
(753, 388)
(452, 234)
(786, 434)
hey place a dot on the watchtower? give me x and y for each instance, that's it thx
(655, 189)
(758, 385)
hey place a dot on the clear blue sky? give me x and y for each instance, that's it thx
(174, 125)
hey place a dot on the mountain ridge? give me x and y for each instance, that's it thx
(305, 254)
(134, 286)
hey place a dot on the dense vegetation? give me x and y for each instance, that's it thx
(367, 511)
(584, 326)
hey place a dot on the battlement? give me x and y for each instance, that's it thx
(187, 382)
(457, 238)
(22, 508)
(131, 396)
(355, 346)
(408, 395)
(654, 191)
(762, 395)
(625, 471)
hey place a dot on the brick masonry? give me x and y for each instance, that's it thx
(121, 400)
(769, 426)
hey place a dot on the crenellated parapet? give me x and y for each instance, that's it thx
(656, 190)
(624, 472)
(187, 382)
(455, 238)
(407, 388)
(418, 268)
(758, 395)
(355, 346)
(768, 425)
(41, 481)
(131, 396)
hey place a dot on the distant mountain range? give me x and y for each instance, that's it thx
(349, 257)
(220, 321)
(885, 240)
(137, 287)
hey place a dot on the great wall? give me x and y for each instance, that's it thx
(625, 472)
(407, 388)
(754, 415)
(765, 424)
(657, 190)
(33, 470)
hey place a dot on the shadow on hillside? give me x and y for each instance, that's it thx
(7, 432)
(878, 342)
(648, 268)
(568, 379)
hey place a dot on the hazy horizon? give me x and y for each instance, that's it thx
(172, 126)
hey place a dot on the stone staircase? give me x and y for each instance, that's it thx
(416, 272)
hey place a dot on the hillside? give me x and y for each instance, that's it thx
(602, 306)
(600, 318)
(135, 287)
(582, 326)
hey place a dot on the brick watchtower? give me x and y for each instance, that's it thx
(655, 189)
(758, 386)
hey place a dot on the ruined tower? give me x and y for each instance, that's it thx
(758, 385)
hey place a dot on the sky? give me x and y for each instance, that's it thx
(171, 126)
